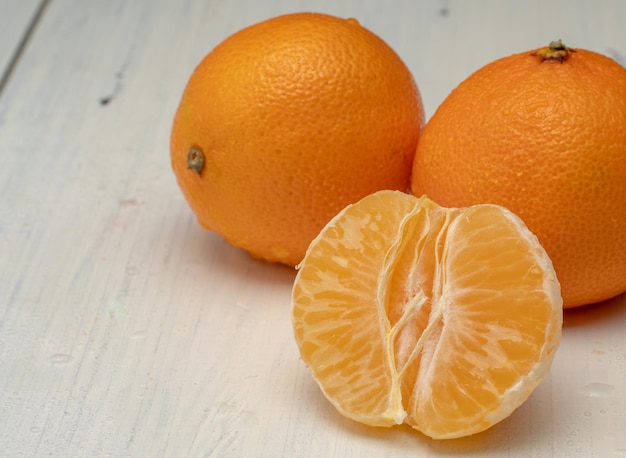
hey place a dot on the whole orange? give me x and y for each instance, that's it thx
(288, 121)
(543, 133)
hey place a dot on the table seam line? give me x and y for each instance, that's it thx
(19, 50)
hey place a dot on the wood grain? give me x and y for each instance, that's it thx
(126, 330)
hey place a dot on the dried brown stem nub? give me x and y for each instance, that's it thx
(556, 51)
(195, 159)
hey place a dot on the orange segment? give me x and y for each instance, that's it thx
(445, 319)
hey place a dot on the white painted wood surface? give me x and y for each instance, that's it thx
(126, 330)
(17, 18)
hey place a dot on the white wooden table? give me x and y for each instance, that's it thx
(126, 330)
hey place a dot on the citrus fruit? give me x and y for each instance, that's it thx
(286, 122)
(542, 133)
(442, 318)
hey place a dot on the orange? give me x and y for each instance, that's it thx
(286, 122)
(408, 312)
(542, 133)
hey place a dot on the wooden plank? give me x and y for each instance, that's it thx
(17, 21)
(127, 330)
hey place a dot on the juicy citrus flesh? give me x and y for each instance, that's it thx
(445, 319)
(546, 139)
(296, 117)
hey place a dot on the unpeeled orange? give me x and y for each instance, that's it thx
(543, 133)
(286, 122)
(442, 318)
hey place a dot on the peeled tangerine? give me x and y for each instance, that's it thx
(442, 318)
